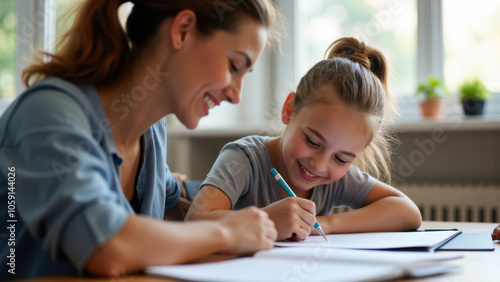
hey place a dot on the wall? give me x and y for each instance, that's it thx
(457, 151)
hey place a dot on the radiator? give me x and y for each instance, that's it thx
(468, 202)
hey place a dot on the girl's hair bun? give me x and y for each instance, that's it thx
(357, 51)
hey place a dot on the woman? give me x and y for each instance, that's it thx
(83, 150)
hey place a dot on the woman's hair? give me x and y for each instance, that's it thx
(96, 48)
(357, 74)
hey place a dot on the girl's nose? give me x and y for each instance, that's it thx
(320, 162)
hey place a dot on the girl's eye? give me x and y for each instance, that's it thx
(340, 161)
(310, 142)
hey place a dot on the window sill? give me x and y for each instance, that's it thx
(233, 130)
(456, 124)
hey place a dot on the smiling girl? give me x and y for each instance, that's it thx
(333, 121)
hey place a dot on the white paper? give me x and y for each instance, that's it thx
(366, 256)
(311, 264)
(275, 270)
(376, 240)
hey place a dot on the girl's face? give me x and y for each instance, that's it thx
(209, 70)
(321, 141)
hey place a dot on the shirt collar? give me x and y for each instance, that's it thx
(102, 126)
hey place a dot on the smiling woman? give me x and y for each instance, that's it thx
(87, 139)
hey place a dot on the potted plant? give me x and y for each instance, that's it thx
(473, 94)
(433, 105)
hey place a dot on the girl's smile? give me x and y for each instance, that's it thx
(320, 142)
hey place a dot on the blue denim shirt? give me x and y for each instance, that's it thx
(64, 199)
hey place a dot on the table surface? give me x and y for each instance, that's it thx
(475, 266)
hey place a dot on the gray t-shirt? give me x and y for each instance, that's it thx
(242, 172)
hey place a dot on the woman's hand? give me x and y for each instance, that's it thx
(248, 230)
(294, 217)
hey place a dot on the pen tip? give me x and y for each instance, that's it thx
(322, 233)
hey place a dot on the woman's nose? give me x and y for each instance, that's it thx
(233, 90)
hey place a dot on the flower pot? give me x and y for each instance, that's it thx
(432, 109)
(473, 107)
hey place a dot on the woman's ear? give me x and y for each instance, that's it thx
(183, 24)
(288, 108)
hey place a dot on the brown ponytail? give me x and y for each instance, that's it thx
(96, 49)
(358, 74)
(370, 58)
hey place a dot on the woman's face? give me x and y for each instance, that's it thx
(210, 70)
(320, 143)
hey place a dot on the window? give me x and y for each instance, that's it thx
(471, 39)
(451, 39)
(7, 48)
(386, 24)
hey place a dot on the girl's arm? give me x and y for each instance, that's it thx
(293, 217)
(144, 241)
(209, 203)
(384, 209)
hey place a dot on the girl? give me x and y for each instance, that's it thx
(83, 150)
(334, 119)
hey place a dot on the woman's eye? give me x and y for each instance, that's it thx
(310, 142)
(233, 66)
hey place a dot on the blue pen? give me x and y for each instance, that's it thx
(290, 193)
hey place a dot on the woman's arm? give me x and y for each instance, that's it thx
(293, 217)
(384, 209)
(144, 241)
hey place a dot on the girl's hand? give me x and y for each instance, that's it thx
(294, 217)
(496, 233)
(248, 230)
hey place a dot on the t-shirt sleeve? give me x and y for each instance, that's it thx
(231, 173)
(62, 178)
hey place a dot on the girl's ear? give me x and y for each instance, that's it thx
(288, 108)
(183, 24)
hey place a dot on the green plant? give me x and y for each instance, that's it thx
(431, 88)
(473, 89)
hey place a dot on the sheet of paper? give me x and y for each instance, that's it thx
(368, 256)
(376, 240)
(271, 269)
(311, 264)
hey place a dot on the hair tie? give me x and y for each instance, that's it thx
(350, 52)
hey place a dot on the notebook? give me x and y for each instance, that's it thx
(469, 242)
(313, 264)
(410, 241)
